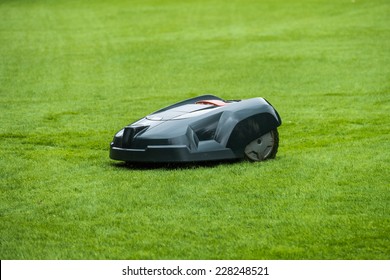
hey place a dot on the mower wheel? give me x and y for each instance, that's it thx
(264, 147)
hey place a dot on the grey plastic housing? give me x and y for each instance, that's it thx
(191, 132)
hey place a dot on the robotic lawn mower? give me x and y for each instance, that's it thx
(204, 128)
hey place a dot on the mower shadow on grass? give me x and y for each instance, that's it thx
(171, 166)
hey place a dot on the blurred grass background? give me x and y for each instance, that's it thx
(72, 73)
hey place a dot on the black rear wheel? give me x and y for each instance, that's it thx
(264, 147)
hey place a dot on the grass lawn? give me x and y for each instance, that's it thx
(72, 73)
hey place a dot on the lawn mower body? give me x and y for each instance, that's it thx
(205, 128)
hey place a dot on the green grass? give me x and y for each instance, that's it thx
(72, 73)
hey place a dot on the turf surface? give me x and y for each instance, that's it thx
(72, 73)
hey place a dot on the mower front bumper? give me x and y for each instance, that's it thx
(171, 153)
